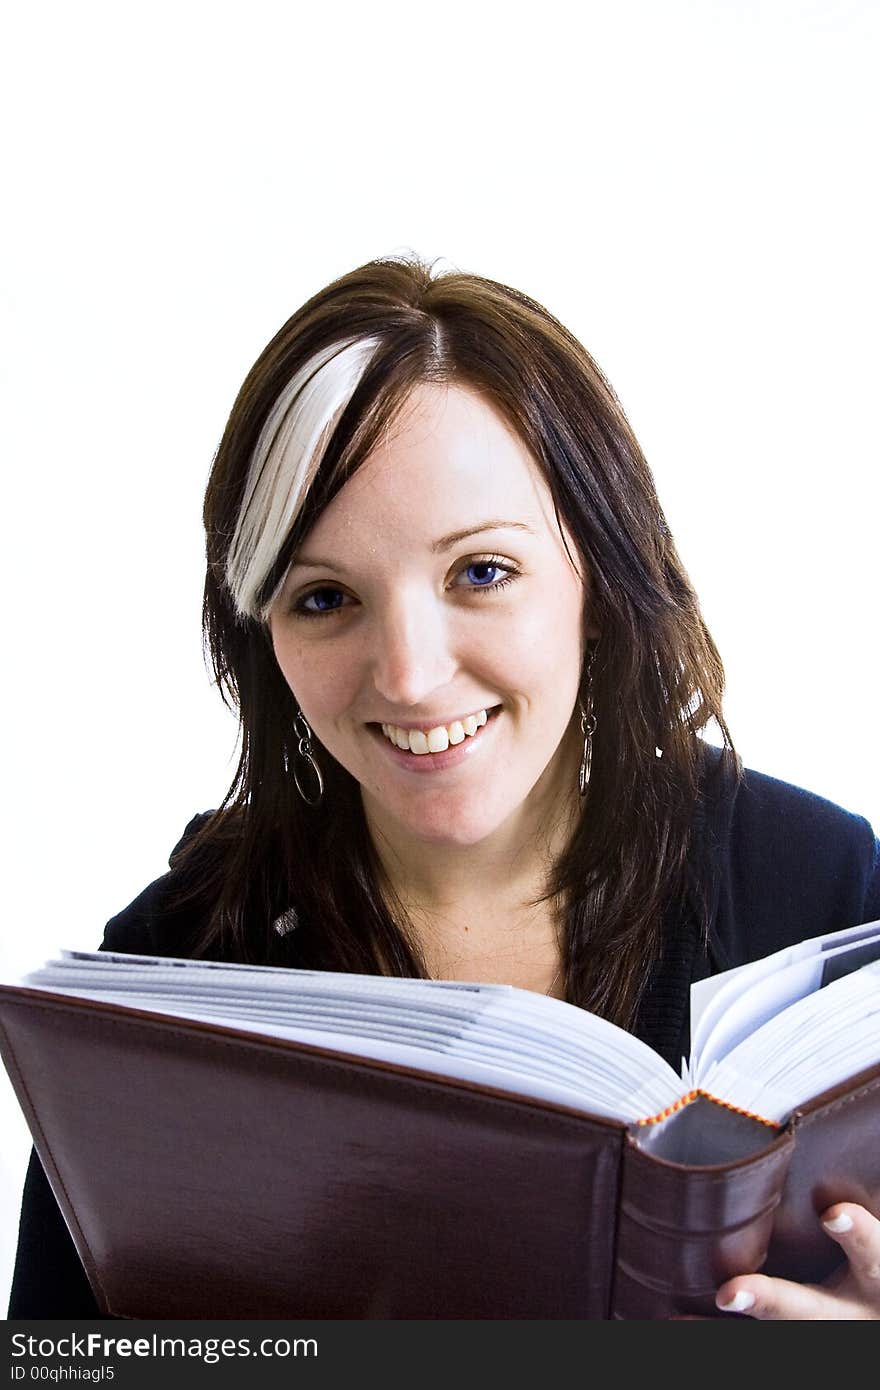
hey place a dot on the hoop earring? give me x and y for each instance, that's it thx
(588, 728)
(304, 752)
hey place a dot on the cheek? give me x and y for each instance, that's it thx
(548, 643)
(301, 672)
(322, 676)
(286, 657)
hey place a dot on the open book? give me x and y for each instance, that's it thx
(241, 1141)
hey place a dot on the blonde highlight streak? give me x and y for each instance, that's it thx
(285, 461)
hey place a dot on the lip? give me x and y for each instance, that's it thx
(437, 762)
(410, 724)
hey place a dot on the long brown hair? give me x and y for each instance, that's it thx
(657, 678)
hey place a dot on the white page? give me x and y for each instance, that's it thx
(528, 1015)
(712, 998)
(729, 1023)
(524, 1034)
(249, 978)
(816, 1043)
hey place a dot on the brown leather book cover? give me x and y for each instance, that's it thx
(207, 1172)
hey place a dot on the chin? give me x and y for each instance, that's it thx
(450, 826)
(461, 839)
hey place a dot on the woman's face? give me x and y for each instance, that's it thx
(435, 594)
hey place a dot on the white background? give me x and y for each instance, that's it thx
(691, 187)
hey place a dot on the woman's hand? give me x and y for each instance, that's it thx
(853, 1291)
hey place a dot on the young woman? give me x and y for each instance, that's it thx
(472, 674)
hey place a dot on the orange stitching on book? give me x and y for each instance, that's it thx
(692, 1095)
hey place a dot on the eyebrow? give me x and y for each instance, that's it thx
(437, 547)
(446, 542)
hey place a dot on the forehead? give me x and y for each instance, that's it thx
(450, 459)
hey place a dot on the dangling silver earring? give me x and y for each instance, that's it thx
(588, 728)
(304, 751)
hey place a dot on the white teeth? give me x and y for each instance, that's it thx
(438, 739)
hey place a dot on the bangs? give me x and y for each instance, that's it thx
(284, 463)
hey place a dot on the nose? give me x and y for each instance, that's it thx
(412, 657)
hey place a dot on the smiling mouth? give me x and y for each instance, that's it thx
(425, 742)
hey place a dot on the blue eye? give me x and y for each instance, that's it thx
(322, 605)
(488, 575)
(484, 578)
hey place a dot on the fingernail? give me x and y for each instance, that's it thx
(739, 1303)
(839, 1223)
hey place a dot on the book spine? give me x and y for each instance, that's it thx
(682, 1231)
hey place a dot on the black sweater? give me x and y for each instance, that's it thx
(785, 865)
